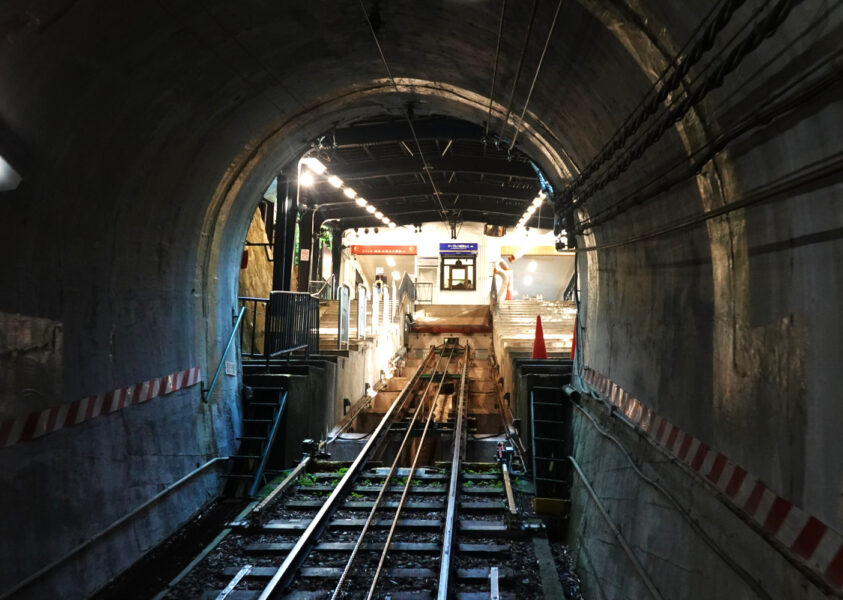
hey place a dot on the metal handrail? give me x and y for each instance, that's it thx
(74, 551)
(206, 393)
(318, 293)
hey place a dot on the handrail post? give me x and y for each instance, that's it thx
(206, 393)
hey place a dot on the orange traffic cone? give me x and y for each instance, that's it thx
(574, 339)
(539, 349)
(508, 293)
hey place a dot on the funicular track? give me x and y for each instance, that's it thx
(408, 529)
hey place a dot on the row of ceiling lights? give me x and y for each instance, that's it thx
(534, 206)
(315, 167)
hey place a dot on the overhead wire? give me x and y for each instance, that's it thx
(536, 74)
(443, 213)
(692, 164)
(495, 68)
(712, 79)
(774, 106)
(518, 69)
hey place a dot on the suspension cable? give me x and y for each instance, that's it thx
(656, 96)
(713, 79)
(536, 75)
(495, 68)
(443, 213)
(518, 69)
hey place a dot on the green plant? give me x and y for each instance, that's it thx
(468, 484)
(356, 496)
(306, 480)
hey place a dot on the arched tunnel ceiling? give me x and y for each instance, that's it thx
(443, 169)
(223, 73)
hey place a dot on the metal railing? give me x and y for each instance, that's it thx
(206, 393)
(253, 328)
(424, 292)
(361, 312)
(324, 290)
(343, 316)
(292, 323)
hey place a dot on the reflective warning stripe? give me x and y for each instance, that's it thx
(40, 423)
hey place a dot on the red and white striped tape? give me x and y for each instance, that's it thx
(40, 423)
(809, 540)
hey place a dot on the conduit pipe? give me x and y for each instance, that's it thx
(651, 587)
(76, 550)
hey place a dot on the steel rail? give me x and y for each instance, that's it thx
(392, 528)
(287, 570)
(450, 516)
(252, 513)
(383, 490)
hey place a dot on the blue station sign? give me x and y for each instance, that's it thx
(447, 248)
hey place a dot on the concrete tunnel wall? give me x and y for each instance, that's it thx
(147, 134)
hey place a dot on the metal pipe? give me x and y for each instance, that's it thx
(651, 587)
(207, 393)
(44, 570)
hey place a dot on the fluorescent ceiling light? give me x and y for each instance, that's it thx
(390, 261)
(392, 225)
(530, 210)
(537, 201)
(370, 209)
(335, 181)
(385, 220)
(315, 165)
(349, 192)
(361, 201)
(378, 215)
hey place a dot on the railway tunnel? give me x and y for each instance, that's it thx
(678, 164)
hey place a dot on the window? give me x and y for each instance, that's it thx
(457, 273)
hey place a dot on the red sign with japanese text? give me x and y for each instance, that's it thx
(384, 250)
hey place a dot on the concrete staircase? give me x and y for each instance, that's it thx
(514, 325)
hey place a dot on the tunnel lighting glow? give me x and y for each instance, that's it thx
(335, 181)
(378, 215)
(315, 165)
(390, 261)
(532, 266)
(528, 280)
(392, 225)
(9, 178)
(385, 220)
(396, 275)
(349, 192)
(361, 201)
(537, 201)
(370, 209)
(531, 209)
(306, 178)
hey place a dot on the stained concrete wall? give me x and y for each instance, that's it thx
(680, 562)
(145, 136)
